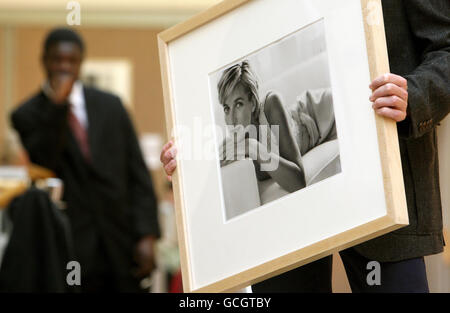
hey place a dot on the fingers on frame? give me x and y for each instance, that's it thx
(389, 78)
(393, 114)
(170, 167)
(394, 102)
(169, 155)
(390, 89)
(164, 150)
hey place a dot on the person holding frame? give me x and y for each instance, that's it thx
(416, 94)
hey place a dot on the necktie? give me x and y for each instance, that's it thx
(80, 134)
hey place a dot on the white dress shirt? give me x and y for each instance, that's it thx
(76, 98)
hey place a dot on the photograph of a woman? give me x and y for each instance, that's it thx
(280, 121)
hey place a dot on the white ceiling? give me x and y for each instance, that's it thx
(109, 13)
(108, 5)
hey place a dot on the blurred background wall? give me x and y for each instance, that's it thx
(113, 31)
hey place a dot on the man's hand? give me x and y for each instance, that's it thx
(167, 158)
(390, 96)
(145, 256)
(62, 86)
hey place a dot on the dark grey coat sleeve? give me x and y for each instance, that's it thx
(429, 83)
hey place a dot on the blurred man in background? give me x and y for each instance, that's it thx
(87, 138)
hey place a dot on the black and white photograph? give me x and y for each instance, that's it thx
(274, 108)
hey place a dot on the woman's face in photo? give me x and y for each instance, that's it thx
(238, 107)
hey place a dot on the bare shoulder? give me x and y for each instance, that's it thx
(272, 103)
(272, 97)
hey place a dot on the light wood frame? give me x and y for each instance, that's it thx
(397, 214)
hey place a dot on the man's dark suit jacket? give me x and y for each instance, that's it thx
(418, 39)
(110, 200)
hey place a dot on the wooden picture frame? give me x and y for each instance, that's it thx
(395, 212)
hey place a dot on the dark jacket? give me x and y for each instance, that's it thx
(39, 248)
(110, 200)
(418, 39)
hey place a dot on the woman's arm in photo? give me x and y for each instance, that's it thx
(289, 175)
(289, 172)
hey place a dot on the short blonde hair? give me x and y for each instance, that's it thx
(240, 73)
